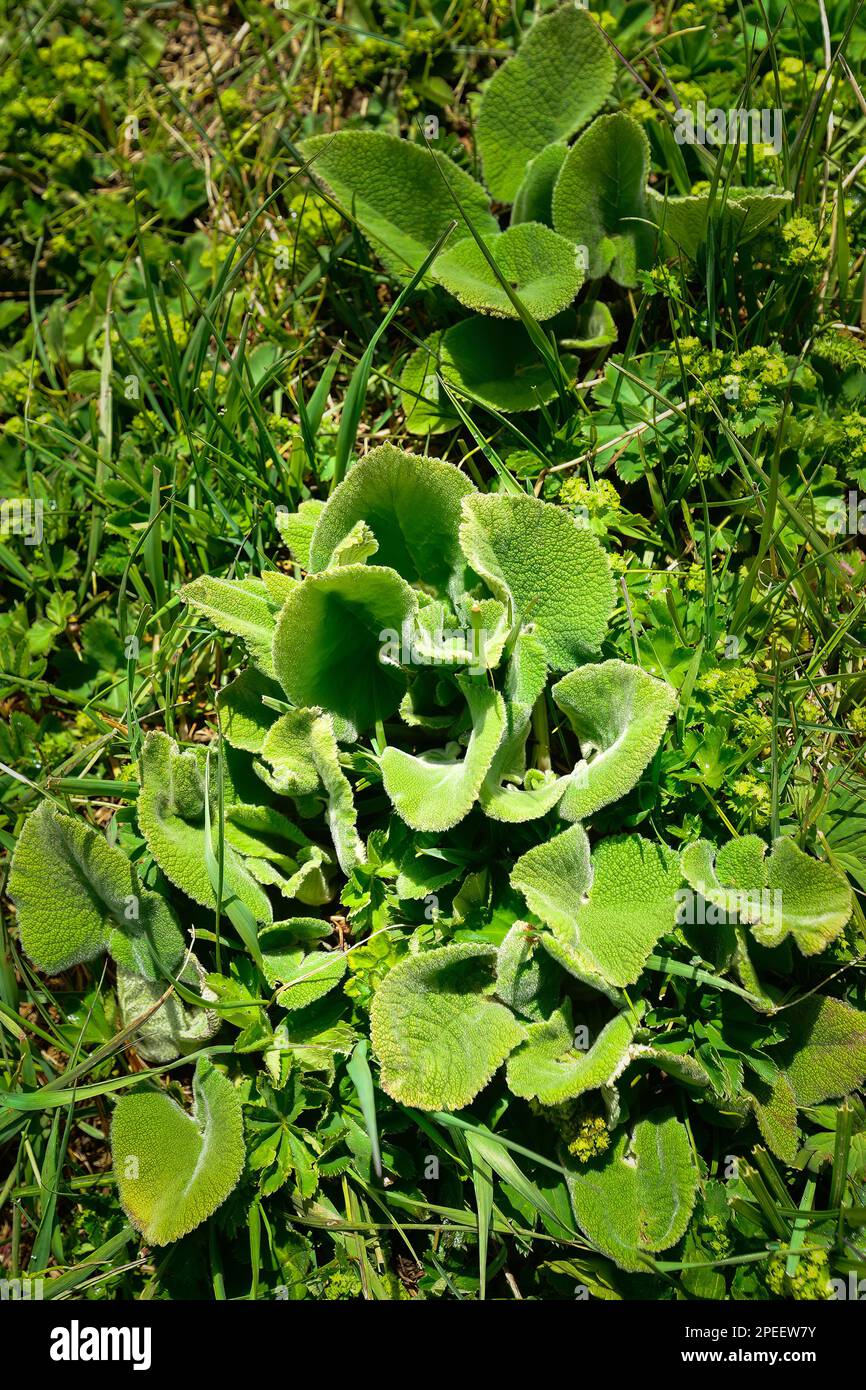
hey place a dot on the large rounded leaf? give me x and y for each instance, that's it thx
(78, 896)
(739, 214)
(412, 506)
(400, 193)
(173, 1169)
(438, 1034)
(542, 269)
(492, 362)
(549, 1068)
(534, 200)
(434, 791)
(560, 76)
(331, 640)
(552, 572)
(619, 714)
(599, 201)
(639, 1199)
(630, 904)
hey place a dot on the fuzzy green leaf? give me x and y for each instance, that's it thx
(560, 76)
(639, 1199)
(493, 363)
(786, 893)
(436, 1031)
(243, 607)
(533, 201)
(552, 573)
(739, 215)
(631, 900)
(296, 528)
(329, 644)
(78, 896)
(434, 791)
(412, 506)
(301, 750)
(541, 267)
(824, 1055)
(177, 1027)
(400, 193)
(619, 714)
(175, 1169)
(600, 198)
(550, 1069)
(525, 976)
(245, 719)
(171, 818)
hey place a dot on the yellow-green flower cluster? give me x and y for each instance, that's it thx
(810, 1282)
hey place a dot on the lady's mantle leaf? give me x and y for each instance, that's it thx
(412, 506)
(560, 77)
(631, 900)
(177, 1027)
(173, 1169)
(434, 791)
(244, 607)
(619, 714)
(493, 363)
(399, 193)
(541, 267)
(550, 1069)
(330, 642)
(552, 573)
(786, 893)
(739, 215)
(437, 1033)
(600, 198)
(640, 1198)
(535, 194)
(78, 896)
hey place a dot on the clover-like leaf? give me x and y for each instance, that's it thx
(174, 1169)
(402, 195)
(330, 639)
(171, 817)
(639, 1199)
(534, 198)
(412, 507)
(599, 200)
(301, 751)
(560, 76)
(550, 1069)
(738, 215)
(631, 900)
(176, 1027)
(438, 1034)
(824, 1055)
(552, 573)
(540, 266)
(245, 608)
(433, 791)
(491, 362)
(78, 896)
(619, 714)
